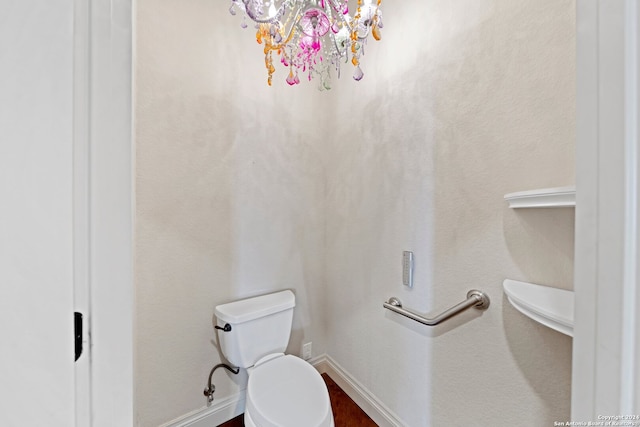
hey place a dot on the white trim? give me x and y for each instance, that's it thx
(367, 401)
(221, 411)
(605, 377)
(559, 197)
(103, 193)
(81, 212)
(111, 213)
(230, 407)
(628, 363)
(586, 240)
(632, 333)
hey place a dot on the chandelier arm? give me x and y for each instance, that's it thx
(341, 53)
(285, 42)
(373, 20)
(334, 5)
(255, 18)
(289, 36)
(363, 38)
(340, 14)
(332, 37)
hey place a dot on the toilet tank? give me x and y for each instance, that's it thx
(259, 326)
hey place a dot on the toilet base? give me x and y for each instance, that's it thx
(248, 422)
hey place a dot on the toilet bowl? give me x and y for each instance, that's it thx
(283, 390)
(286, 391)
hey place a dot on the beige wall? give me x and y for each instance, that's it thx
(237, 194)
(230, 196)
(462, 102)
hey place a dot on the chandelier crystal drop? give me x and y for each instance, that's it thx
(311, 37)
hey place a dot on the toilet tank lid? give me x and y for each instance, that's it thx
(253, 308)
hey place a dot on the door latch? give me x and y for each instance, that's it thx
(77, 332)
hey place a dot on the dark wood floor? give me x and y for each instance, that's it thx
(345, 411)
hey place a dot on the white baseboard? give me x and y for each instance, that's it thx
(221, 411)
(369, 403)
(230, 407)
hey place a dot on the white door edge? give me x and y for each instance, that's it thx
(606, 338)
(630, 351)
(81, 219)
(103, 211)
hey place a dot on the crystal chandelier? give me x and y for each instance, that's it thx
(312, 37)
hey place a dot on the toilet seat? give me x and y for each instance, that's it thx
(287, 392)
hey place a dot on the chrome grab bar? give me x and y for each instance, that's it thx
(475, 298)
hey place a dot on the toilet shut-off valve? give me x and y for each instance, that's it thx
(211, 388)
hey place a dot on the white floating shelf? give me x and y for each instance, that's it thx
(550, 306)
(560, 197)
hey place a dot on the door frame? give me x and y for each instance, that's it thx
(606, 344)
(81, 211)
(103, 210)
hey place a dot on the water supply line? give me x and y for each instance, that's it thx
(211, 388)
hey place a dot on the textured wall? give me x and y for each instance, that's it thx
(230, 192)
(462, 102)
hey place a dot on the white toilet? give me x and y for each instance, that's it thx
(283, 390)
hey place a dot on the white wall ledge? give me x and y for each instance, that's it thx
(549, 306)
(559, 197)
